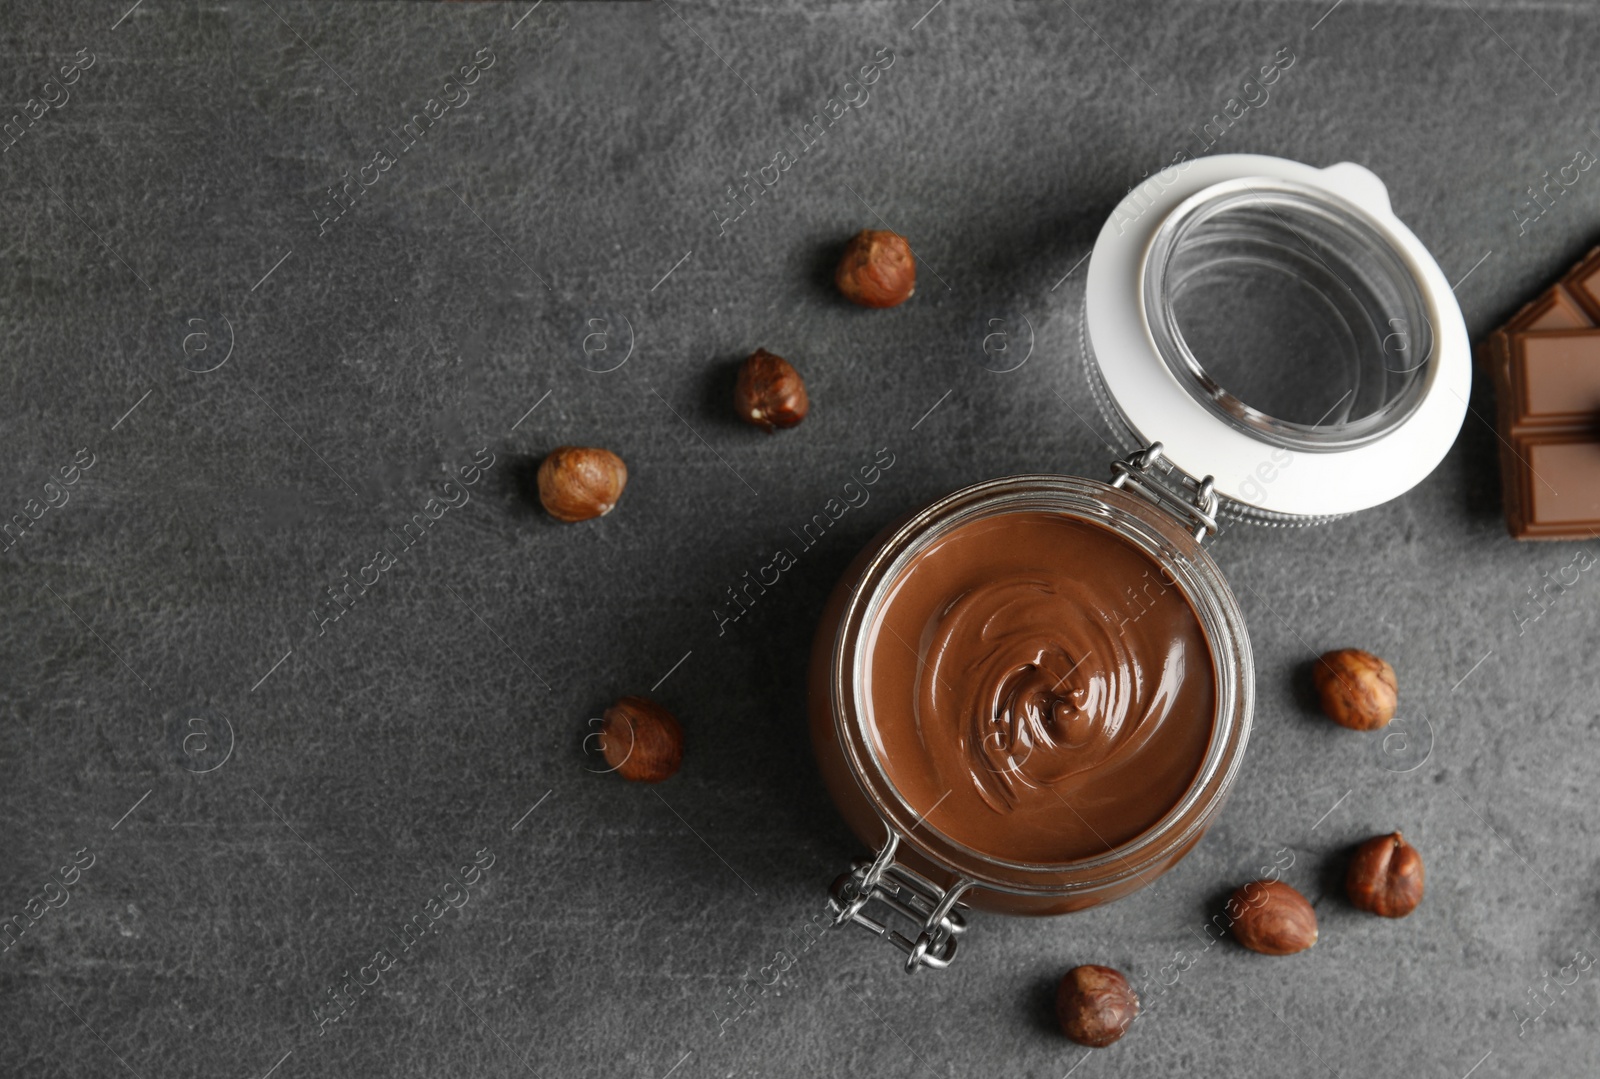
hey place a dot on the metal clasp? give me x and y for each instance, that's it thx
(932, 909)
(1168, 487)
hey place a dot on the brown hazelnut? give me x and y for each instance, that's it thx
(1385, 876)
(1096, 1005)
(577, 483)
(1357, 689)
(1272, 918)
(641, 740)
(877, 270)
(770, 392)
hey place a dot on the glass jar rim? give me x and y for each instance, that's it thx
(1147, 528)
(1350, 236)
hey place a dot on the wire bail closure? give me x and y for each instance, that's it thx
(1194, 501)
(935, 911)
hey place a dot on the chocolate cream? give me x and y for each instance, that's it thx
(1038, 688)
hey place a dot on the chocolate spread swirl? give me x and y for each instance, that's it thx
(1039, 688)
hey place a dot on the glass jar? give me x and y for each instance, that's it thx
(1270, 343)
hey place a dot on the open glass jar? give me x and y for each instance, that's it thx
(1034, 695)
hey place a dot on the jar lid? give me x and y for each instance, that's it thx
(1275, 326)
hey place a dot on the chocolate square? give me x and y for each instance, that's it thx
(1555, 310)
(1583, 281)
(1561, 494)
(1555, 378)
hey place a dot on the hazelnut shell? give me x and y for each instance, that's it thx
(641, 740)
(577, 483)
(877, 269)
(1272, 918)
(1357, 689)
(1095, 1005)
(770, 393)
(1385, 876)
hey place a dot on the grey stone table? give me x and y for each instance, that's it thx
(275, 274)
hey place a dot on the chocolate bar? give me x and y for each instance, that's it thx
(1545, 367)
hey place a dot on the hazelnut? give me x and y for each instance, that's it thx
(641, 740)
(877, 270)
(1385, 876)
(1357, 689)
(770, 392)
(1272, 918)
(577, 483)
(1096, 1005)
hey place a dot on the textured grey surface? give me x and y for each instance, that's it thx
(367, 764)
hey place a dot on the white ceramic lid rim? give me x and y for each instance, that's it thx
(1304, 483)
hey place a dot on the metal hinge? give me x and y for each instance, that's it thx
(1168, 487)
(934, 911)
